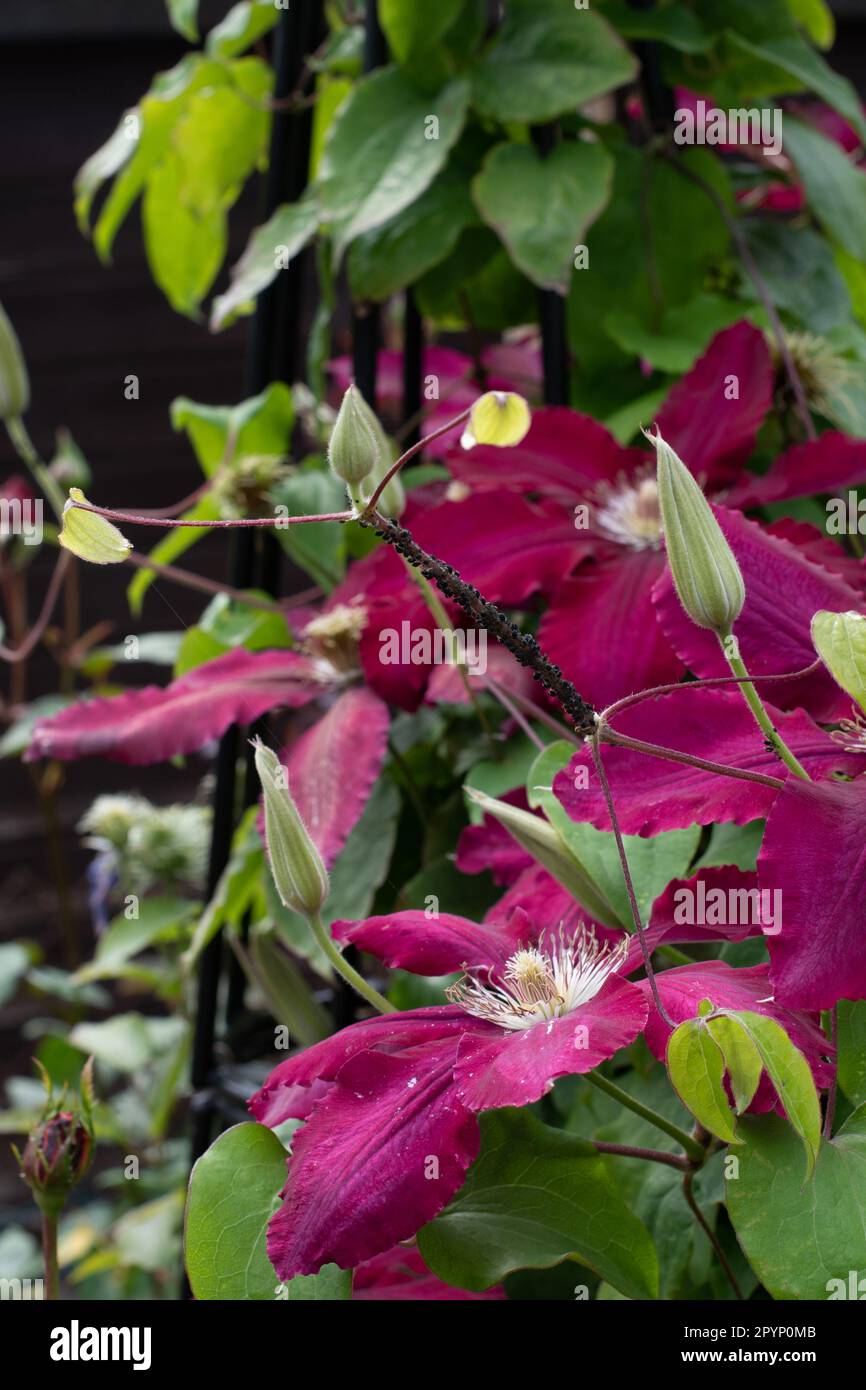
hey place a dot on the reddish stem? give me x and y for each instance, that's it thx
(410, 453)
(136, 519)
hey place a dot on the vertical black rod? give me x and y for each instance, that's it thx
(413, 368)
(659, 98)
(276, 348)
(270, 323)
(365, 320)
(551, 311)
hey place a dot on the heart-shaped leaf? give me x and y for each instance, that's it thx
(534, 1197)
(804, 1241)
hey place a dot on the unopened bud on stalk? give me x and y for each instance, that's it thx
(705, 571)
(59, 1150)
(296, 865)
(498, 417)
(90, 536)
(14, 382)
(354, 450)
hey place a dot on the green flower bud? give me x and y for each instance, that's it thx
(299, 875)
(90, 536)
(14, 381)
(354, 450)
(392, 502)
(704, 568)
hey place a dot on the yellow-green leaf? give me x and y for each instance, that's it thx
(840, 641)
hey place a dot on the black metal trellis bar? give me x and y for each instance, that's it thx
(551, 311)
(365, 320)
(273, 349)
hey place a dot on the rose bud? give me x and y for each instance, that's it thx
(59, 1150)
(354, 450)
(90, 536)
(14, 382)
(704, 569)
(299, 875)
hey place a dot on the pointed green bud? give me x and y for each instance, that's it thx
(299, 875)
(547, 847)
(840, 641)
(14, 381)
(354, 450)
(90, 536)
(704, 568)
(393, 500)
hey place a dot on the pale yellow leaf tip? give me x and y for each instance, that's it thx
(89, 536)
(501, 418)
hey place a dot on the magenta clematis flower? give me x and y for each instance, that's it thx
(814, 830)
(577, 517)
(391, 1103)
(653, 794)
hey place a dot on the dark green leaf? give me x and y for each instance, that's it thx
(270, 249)
(386, 145)
(835, 186)
(804, 1240)
(572, 185)
(233, 1192)
(549, 58)
(536, 1196)
(395, 255)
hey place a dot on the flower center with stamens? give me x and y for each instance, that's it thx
(542, 983)
(630, 515)
(334, 637)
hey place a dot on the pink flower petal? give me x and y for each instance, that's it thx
(489, 846)
(334, 765)
(297, 1084)
(814, 850)
(821, 550)
(653, 794)
(360, 1173)
(400, 1275)
(152, 724)
(434, 945)
(832, 463)
(516, 1068)
(564, 455)
(783, 591)
(510, 552)
(713, 434)
(601, 627)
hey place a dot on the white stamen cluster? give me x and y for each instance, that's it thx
(542, 982)
(629, 514)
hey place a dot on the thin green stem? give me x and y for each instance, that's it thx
(756, 705)
(49, 1254)
(26, 451)
(689, 1145)
(342, 967)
